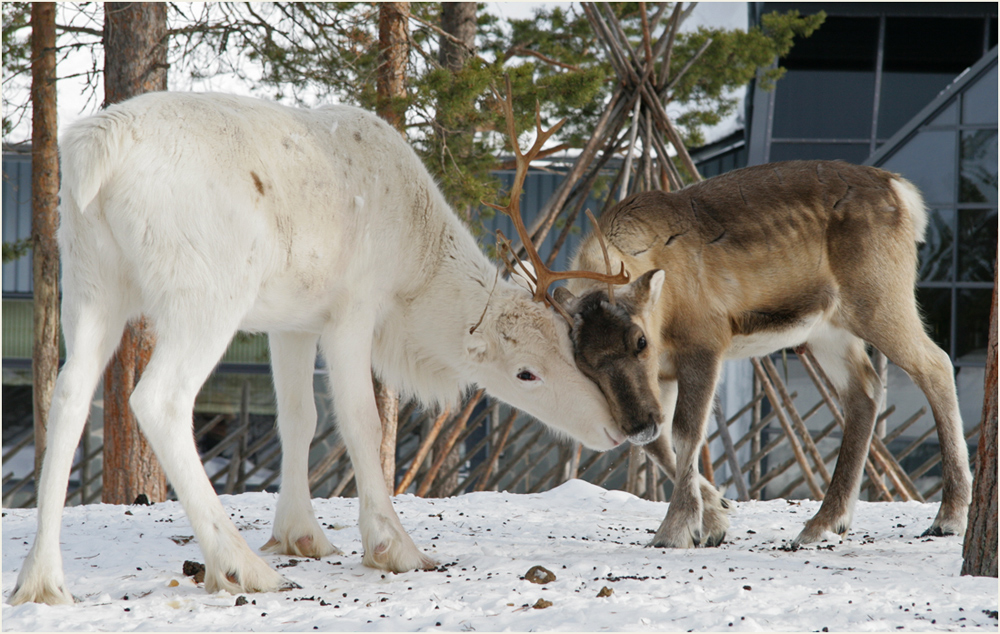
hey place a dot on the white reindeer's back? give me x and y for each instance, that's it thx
(285, 215)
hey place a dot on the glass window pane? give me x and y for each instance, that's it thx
(979, 167)
(904, 94)
(823, 104)
(936, 252)
(841, 43)
(935, 306)
(932, 45)
(851, 152)
(948, 116)
(977, 240)
(979, 101)
(928, 159)
(973, 316)
(921, 57)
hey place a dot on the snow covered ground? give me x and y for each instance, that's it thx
(125, 566)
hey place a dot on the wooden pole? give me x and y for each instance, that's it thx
(727, 444)
(797, 421)
(44, 220)
(425, 447)
(789, 432)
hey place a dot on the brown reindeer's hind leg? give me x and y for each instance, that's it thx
(907, 345)
(843, 357)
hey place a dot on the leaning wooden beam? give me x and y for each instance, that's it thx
(515, 459)
(730, 451)
(547, 217)
(789, 432)
(936, 458)
(475, 474)
(498, 447)
(649, 96)
(537, 459)
(469, 429)
(325, 465)
(878, 451)
(899, 429)
(613, 467)
(797, 421)
(422, 452)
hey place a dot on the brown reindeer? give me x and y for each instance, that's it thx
(759, 259)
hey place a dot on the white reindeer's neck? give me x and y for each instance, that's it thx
(420, 348)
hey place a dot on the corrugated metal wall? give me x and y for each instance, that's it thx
(17, 218)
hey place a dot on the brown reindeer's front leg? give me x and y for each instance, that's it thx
(715, 508)
(697, 373)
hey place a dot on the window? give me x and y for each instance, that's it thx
(952, 158)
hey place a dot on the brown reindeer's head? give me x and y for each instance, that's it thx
(615, 346)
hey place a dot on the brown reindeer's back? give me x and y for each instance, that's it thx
(781, 238)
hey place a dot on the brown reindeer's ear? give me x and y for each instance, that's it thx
(647, 288)
(565, 297)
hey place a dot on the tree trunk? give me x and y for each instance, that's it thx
(44, 219)
(458, 19)
(135, 62)
(394, 51)
(979, 552)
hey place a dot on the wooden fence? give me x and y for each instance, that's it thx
(784, 449)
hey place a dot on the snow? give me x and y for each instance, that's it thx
(125, 567)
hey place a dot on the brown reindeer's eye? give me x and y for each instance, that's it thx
(640, 345)
(526, 375)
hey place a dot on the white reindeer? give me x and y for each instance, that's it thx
(211, 213)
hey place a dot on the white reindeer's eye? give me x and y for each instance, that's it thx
(526, 375)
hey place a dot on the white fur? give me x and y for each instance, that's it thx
(211, 213)
(913, 202)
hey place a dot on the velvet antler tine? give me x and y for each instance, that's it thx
(604, 249)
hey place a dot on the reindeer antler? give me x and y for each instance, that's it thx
(544, 277)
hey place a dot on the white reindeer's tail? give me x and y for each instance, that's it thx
(92, 150)
(913, 201)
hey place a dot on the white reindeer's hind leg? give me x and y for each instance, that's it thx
(348, 350)
(187, 348)
(92, 333)
(296, 531)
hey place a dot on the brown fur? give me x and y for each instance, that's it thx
(773, 256)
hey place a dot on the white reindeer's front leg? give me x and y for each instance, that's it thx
(296, 531)
(347, 348)
(683, 526)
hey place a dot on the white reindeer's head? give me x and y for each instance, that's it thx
(522, 354)
(522, 348)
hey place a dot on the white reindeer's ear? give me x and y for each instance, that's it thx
(476, 346)
(522, 280)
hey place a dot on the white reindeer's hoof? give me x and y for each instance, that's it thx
(314, 546)
(257, 578)
(38, 591)
(397, 555)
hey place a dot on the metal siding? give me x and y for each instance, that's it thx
(17, 275)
